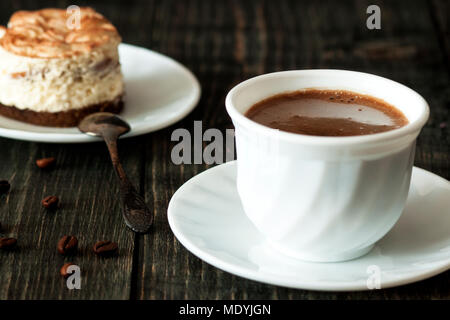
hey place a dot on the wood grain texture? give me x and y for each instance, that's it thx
(85, 183)
(223, 43)
(440, 15)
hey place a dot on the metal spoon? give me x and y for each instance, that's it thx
(110, 126)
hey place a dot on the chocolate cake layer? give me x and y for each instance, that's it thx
(60, 119)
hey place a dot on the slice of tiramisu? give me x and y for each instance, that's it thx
(54, 71)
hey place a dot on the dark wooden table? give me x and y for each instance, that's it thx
(223, 43)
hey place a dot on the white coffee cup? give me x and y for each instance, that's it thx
(324, 198)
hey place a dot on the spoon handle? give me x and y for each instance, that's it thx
(135, 212)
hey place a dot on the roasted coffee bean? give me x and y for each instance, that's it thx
(50, 202)
(7, 243)
(105, 248)
(4, 186)
(63, 271)
(67, 245)
(46, 163)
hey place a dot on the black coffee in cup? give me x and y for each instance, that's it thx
(327, 113)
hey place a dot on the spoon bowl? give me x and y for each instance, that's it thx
(96, 124)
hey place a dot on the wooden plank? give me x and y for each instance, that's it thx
(85, 182)
(266, 37)
(440, 14)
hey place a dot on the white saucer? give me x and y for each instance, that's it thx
(206, 216)
(159, 92)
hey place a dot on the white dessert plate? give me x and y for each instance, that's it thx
(206, 216)
(159, 92)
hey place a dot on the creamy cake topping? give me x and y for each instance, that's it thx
(46, 34)
(47, 67)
